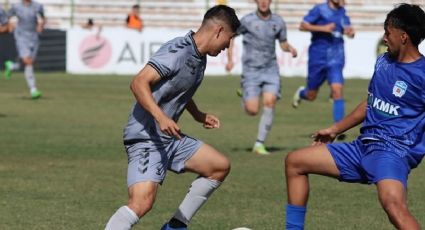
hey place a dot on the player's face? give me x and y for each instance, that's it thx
(221, 41)
(263, 5)
(393, 40)
(338, 3)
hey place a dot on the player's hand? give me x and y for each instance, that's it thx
(211, 122)
(329, 28)
(349, 32)
(229, 66)
(293, 52)
(40, 28)
(324, 136)
(169, 127)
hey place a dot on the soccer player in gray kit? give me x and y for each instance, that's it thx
(153, 140)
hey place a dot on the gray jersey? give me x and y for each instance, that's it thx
(3, 17)
(181, 68)
(26, 28)
(259, 38)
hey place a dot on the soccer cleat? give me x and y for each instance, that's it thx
(260, 149)
(8, 65)
(296, 99)
(166, 226)
(36, 94)
(239, 92)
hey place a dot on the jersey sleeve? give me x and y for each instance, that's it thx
(40, 10)
(313, 15)
(282, 36)
(3, 17)
(165, 60)
(346, 22)
(12, 11)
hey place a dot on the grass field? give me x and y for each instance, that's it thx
(62, 164)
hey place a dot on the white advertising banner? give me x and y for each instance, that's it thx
(124, 51)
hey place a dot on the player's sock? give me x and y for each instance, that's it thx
(265, 124)
(303, 94)
(199, 191)
(338, 109)
(122, 219)
(29, 76)
(295, 217)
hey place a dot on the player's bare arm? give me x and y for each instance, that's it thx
(351, 120)
(141, 88)
(209, 121)
(349, 31)
(230, 64)
(285, 46)
(328, 28)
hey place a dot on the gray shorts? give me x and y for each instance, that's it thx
(27, 48)
(148, 161)
(257, 81)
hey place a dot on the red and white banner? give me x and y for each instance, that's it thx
(124, 51)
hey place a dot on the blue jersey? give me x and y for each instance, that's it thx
(259, 37)
(181, 68)
(327, 47)
(396, 106)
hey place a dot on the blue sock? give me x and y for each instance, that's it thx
(303, 94)
(338, 110)
(295, 216)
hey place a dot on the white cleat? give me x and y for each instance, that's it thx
(296, 99)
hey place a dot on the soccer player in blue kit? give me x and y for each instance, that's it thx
(260, 71)
(31, 23)
(328, 23)
(153, 140)
(392, 139)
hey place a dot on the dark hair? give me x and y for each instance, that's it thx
(90, 22)
(137, 6)
(225, 14)
(410, 19)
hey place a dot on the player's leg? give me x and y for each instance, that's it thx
(251, 92)
(392, 196)
(316, 77)
(335, 160)
(146, 169)
(336, 82)
(390, 173)
(212, 168)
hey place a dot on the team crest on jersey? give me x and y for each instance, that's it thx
(400, 88)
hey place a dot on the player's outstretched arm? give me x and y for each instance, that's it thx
(141, 88)
(230, 64)
(285, 46)
(351, 120)
(209, 121)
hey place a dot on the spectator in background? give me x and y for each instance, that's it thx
(31, 22)
(90, 25)
(133, 19)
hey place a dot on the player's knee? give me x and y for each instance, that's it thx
(141, 205)
(311, 96)
(291, 163)
(251, 111)
(222, 170)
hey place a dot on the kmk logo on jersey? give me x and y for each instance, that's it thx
(400, 88)
(382, 106)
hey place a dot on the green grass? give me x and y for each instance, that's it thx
(62, 163)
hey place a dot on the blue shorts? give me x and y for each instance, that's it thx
(254, 82)
(148, 161)
(369, 162)
(318, 73)
(325, 62)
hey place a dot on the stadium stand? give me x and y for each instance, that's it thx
(366, 14)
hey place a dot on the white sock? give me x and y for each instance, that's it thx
(29, 76)
(123, 219)
(15, 66)
(199, 191)
(265, 124)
